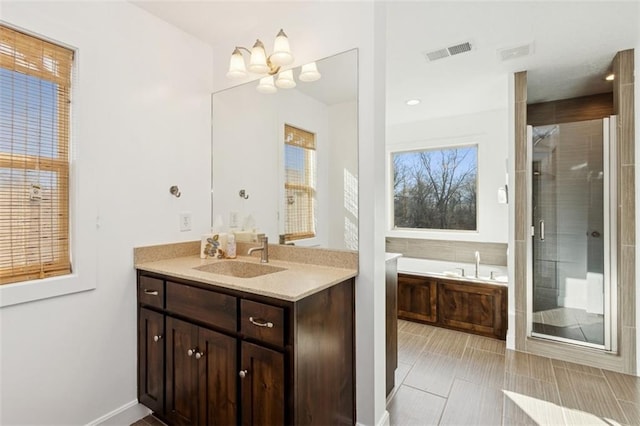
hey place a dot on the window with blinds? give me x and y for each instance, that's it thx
(35, 84)
(300, 183)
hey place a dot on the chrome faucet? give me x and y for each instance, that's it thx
(477, 262)
(264, 256)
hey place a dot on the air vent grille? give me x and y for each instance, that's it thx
(515, 52)
(445, 52)
(459, 48)
(437, 54)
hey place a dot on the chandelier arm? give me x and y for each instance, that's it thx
(273, 69)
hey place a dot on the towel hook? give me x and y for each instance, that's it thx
(243, 194)
(175, 191)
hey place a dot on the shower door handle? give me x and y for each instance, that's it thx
(541, 222)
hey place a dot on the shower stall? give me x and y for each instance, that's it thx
(572, 291)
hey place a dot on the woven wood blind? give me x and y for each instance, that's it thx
(35, 83)
(300, 183)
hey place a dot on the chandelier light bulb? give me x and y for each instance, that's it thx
(266, 85)
(285, 80)
(281, 52)
(309, 72)
(237, 67)
(258, 61)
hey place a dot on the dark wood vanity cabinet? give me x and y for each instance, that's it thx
(213, 356)
(151, 359)
(480, 308)
(417, 298)
(200, 371)
(262, 386)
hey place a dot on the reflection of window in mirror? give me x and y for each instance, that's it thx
(299, 184)
(435, 188)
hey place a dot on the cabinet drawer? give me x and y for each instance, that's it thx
(151, 292)
(206, 306)
(262, 322)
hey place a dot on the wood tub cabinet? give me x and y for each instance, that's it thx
(475, 307)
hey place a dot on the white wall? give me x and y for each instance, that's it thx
(141, 105)
(343, 175)
(248, 153)
(489, 130)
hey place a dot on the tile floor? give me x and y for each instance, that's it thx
(446, 377)
(570, 323)
(148, 421)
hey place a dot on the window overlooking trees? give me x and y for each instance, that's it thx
(435, 188)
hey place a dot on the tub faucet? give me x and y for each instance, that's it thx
(477, 262)
(264, 256)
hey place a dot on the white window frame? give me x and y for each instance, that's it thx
(431, 144)
(83, 212)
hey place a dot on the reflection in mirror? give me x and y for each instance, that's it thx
(294, 153)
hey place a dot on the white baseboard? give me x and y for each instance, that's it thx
(129, 413)
(384, 420)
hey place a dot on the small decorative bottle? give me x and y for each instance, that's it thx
(231, 246)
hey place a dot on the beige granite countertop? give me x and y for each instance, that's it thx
(296, 282)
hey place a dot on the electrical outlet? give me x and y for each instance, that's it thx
(185, 221)
(233, 220)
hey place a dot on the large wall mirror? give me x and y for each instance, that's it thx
(294, 153)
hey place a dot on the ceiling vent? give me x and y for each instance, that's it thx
(515, 52)
(445, 52)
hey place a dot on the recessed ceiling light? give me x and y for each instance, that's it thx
(412, 102)
(610, 77)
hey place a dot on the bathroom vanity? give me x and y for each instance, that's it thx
(270, 349)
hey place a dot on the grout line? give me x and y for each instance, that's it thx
(555, 382)
(424, 391)
(624, 414)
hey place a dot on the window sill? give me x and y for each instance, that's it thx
(30, 291)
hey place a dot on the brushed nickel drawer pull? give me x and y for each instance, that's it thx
(151, 292)
(260, 322)
(243, 373)
(158, 337)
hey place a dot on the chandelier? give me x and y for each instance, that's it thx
(271, 65)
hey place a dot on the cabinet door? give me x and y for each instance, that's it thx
(151, 359)
(182, 372)
(476, 308)
(417, 298)
(218, 374)
(262, 386)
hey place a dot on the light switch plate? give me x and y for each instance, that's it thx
(233, 219)
(185, 221)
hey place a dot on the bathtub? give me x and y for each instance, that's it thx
(451, 270)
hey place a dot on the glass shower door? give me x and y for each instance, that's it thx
(569, 174)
